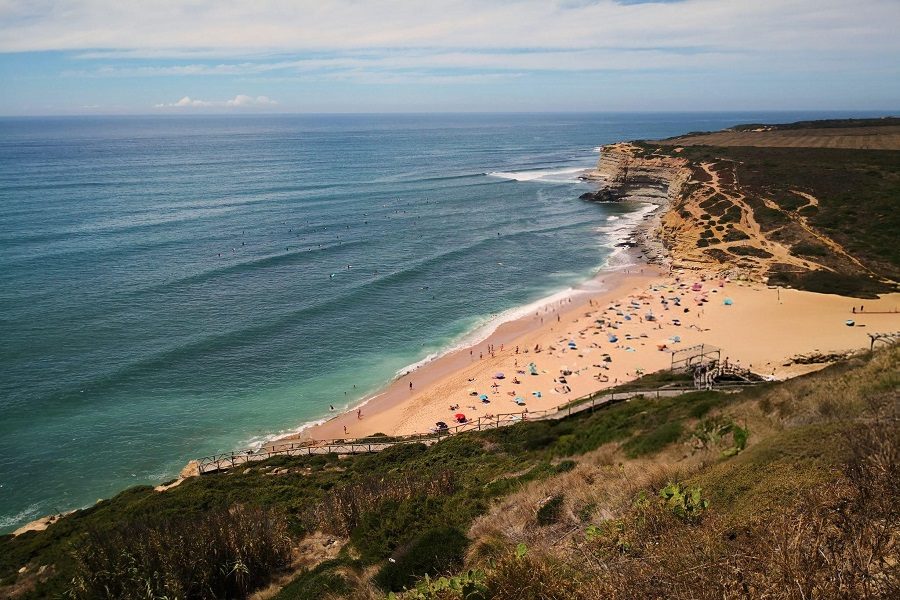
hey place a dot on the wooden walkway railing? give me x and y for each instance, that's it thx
(589, 402)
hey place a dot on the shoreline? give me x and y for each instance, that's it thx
(397, 393)
(635, 241)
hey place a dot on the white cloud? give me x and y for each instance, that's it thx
(241, 100)
(446, 41)
(175, 28)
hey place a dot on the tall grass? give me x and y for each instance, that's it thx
(221, 555)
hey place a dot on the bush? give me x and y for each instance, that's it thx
(735, 235)
(550, 511)
(654, 440)
(750, 251)
(225, 554)
(317, 583)
(434, 552)
(809, 249)
(685, 503)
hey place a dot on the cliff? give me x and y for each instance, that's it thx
(631, 174)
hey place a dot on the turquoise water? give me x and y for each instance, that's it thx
(176, 286)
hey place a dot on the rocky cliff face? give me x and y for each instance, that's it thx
(629, 174)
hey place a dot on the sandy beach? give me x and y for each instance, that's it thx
(593, 340)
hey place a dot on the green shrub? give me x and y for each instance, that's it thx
(685, 503)
(317, 583)
(550, 511)
(651, 442)
(809, 249)
(436, 551)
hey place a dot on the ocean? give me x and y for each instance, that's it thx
(176, 286)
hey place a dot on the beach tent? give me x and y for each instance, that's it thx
(533, 368)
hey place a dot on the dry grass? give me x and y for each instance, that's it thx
(851, 138)
(804, 515)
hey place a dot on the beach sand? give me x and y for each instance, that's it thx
(761, 329)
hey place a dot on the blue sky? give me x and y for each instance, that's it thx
(224, 56)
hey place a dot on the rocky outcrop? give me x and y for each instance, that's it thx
(628, 173)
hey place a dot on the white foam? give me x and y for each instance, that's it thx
(30, 513)
(552, 175)
(612, 218)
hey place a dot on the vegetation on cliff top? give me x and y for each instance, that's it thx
(833, 209)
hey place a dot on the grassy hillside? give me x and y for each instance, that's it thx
(565, 509)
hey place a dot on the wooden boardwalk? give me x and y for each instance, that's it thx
(589, 403)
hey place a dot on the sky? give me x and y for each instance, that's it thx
(289, 56)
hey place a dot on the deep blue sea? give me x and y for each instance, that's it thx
(176, 286)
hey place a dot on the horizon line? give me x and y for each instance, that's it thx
(887, 113)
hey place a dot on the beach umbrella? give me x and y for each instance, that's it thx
(536, 394)
(728, 302)
(520, 400)
(460, 418)
(613, 339)
(483, 397)
(499, 376)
